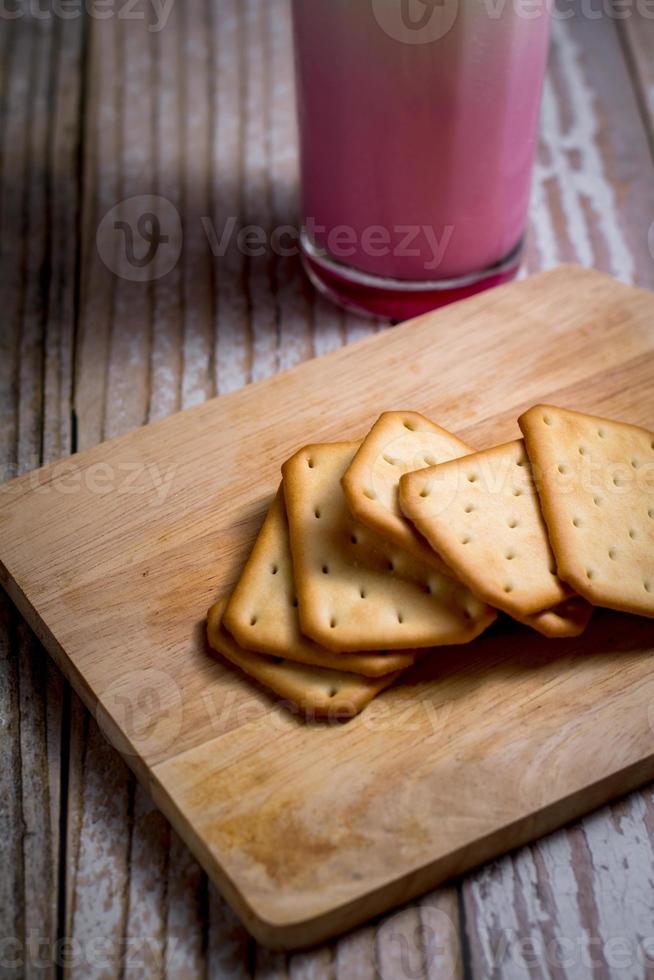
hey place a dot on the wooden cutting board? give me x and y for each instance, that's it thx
(114, 556)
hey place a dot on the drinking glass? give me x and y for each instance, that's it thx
(417, 129)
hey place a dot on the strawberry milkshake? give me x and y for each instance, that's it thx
(418, 124)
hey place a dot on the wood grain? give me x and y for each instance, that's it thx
(207, 719)
(39, 129)
(575, 181)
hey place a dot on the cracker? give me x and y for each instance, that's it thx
(262, 613)
(398, 443)
(595, 479)
(569, 618)
(350, 603)
(317, 692)
(481, 513)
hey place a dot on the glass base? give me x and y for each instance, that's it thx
(397, 299)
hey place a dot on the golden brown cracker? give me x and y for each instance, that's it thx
(481, 513)
(317, 692)
(347, 603)
(262, 612)
(399, 442)
(595, 479)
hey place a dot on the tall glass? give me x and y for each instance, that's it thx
(418, 124)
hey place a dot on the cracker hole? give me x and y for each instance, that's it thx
(410, 426)
(472, 477)
(562, 468)
(295, 603)
(425, 492)
(274, 569)
(647, 585)
(317, 513)
(552, 569)
(253, 620)
(468, 508)
(517, 492)
(362, 593)
(635, 463)
(633, 533)
(613, 554)
(650, 513)
(512, 522)
(391, 566)
(465, 539)
(333, 691)
(278, 660)
(576, 521)
(597, 501)
(354, 539)
(617, 481)
(510, 555)
(547, 420)
(590, 573)
(332, 623)
(428, 588)
(389, 460)
(370, 494)
(582, 451)
(325, 569)
(400, 618)
(310, 464)
(520, 462)
(430, 461)
(508, 587)
(601, 433)
(466, 613)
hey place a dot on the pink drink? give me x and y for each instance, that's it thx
(417, 139)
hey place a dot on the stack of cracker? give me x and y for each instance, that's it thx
(372, 553)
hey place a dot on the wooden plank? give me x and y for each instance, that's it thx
(101, 791)
(637, 35)
(537, 911)
(38, 204)
(143, 352)
(556, 372)
(593, 194)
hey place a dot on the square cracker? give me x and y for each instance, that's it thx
(347, 602)
(595, 479)
(317, 692)
(569, 618)
(481, 513)
(262, 613)
(398, 443)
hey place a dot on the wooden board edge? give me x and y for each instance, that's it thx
(39, 476)
(290, 935)
(75, 678)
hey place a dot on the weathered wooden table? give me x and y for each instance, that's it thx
(193, 101)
